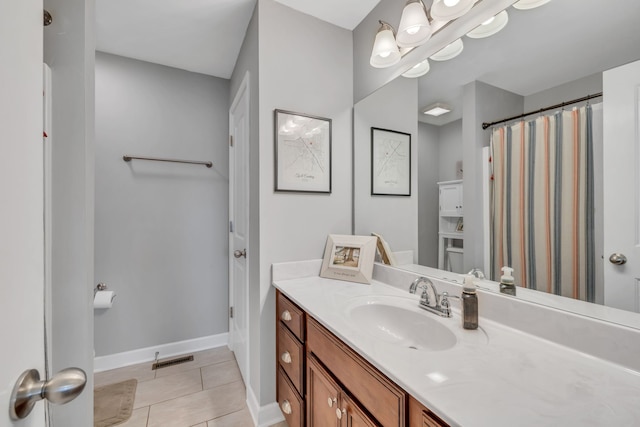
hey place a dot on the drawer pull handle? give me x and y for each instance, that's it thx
(340, 412)
(286, 316)
(331, 401)
(286, 357)
(286, 407)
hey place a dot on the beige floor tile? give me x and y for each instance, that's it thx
(201, 425)
(166, 388)
(199, 407)
(237, 419)
(138, 418)
(200, 359)
(141, 372)
(220, 373)
(281, 424)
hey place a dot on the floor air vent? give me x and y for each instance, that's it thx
(172, 362)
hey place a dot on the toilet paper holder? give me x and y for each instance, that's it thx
(100, 287)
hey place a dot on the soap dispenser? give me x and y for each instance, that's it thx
(469, 303)
(507, 283)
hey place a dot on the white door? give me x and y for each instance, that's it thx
(239, 227)
(21, 192)
(621, 109)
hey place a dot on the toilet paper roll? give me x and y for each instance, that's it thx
(103, 299)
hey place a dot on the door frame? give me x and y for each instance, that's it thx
(243, 91)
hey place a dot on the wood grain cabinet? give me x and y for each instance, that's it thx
(322, 382)
(290, 365)
(328, 404)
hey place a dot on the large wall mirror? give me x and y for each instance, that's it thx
(558, 52)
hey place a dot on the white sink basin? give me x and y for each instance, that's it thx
(400, 321)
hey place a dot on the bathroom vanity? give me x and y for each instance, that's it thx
(350, 354)
(338, 386)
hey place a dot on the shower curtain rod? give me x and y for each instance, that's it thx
(157, 159)
(553, 107)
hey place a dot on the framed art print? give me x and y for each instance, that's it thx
(390, 163)
(348, 257)
(302, 153)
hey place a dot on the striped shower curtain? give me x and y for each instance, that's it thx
(543, 203)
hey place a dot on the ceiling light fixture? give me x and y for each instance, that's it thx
(436, 109)
(414, 28)
(418, 70)
(529, 4)
(490, 26)
(449, 52)
(385, 50)
(446, 10)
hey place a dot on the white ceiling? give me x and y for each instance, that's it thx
(203, 36)
(541, 48)
(343, 13)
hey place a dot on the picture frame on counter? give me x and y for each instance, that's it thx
(349, 258)
(302, 152)
(390, 163)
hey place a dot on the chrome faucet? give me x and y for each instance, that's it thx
(440, 304)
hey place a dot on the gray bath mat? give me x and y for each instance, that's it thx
(113, 403)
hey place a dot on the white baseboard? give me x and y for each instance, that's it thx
(263, 416)
(127, 358)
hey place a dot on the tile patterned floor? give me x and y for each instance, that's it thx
(207, 392)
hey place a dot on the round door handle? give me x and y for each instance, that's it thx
(286, 357)
(65, 386)
(340, 412)
(240, 253)
(286, 316)
(286, 407)
(331, 401)
(618, 259)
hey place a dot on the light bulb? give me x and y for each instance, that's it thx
(384, 54)
(413, 30)
(451, 3)
(489, 21)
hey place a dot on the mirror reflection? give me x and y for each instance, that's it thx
(526, 193)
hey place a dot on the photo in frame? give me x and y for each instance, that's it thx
(302, 153)
(349, 258)
(390, 162)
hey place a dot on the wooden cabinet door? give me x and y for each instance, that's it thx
(420, 416)
(353, 415)
(322, 396)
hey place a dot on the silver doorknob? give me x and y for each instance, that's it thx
(65, 386)
(618, 259)
(240, 253)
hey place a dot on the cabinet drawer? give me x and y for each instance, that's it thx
(419, 416)
(289, 314)
(377, 394)
(291, 405)
(291, 357)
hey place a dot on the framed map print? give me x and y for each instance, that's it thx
(303, 153)
(390, 162)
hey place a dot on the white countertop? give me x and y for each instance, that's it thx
(510, 379)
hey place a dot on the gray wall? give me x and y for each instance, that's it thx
(161, 229)
(429, 148)
(573, 90)
(450, 152)
(305, 66)
(391, 107)
(69, 51)
(482, 103)
(439, 151)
